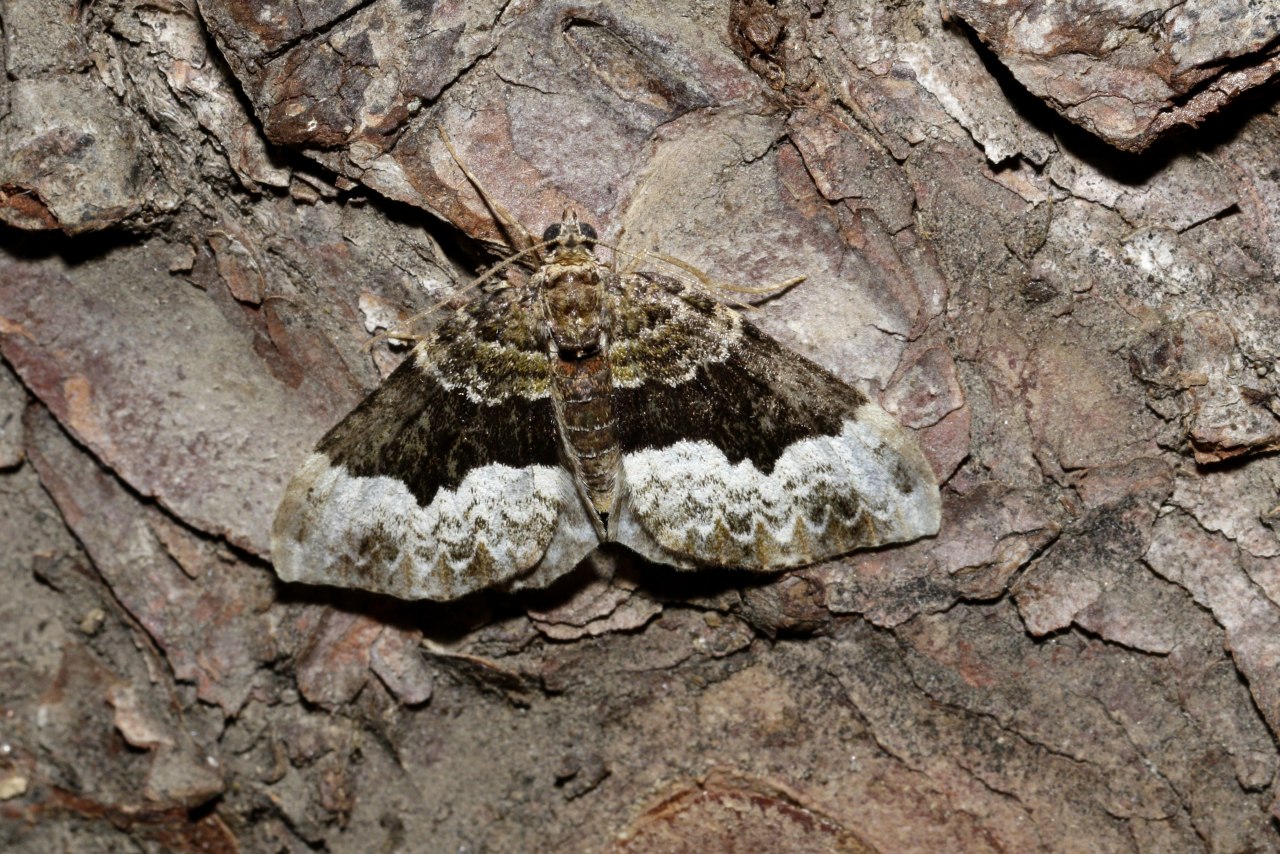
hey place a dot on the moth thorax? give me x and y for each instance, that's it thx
(574, 303)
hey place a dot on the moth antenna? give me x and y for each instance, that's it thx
(472, 285)
(519, 237)
(613, 249)
(706, 281)
(394, 333)
(768, 290)
(507, 262)
(697, 278)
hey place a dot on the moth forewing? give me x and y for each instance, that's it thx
(586, 406)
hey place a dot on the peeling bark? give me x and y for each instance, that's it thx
(210, 208)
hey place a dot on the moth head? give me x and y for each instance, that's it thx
(569, 237)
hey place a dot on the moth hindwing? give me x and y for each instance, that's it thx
(585, 407)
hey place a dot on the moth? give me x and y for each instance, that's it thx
(588, 406)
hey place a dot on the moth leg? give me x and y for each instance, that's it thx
(715, 286)
(517, 235)
(703, 280)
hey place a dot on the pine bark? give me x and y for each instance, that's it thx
(1050, 252)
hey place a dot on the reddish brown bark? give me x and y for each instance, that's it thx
(209, 210)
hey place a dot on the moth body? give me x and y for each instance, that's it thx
(583, 407)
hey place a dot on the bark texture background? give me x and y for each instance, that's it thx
(211, 206)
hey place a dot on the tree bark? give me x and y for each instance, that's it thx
(1045, 239)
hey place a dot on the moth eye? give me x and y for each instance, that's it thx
(552, 232)
(587, 231)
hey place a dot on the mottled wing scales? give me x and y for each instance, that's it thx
(370, 532)
(749, 455)
(700, 441)
(441, 483)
